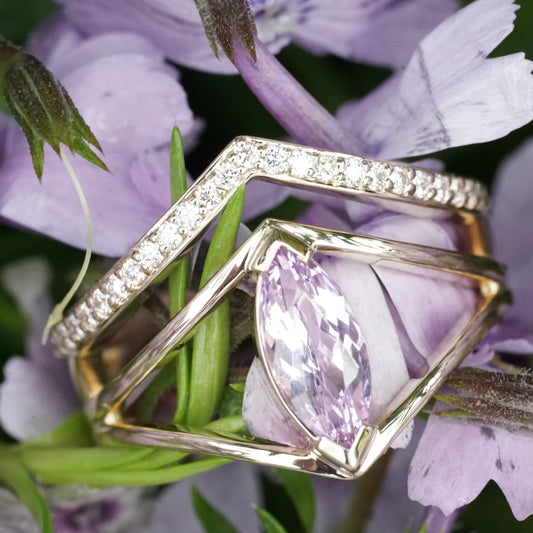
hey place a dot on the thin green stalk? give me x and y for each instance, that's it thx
(211, 345)
(177, 280)
(57, 313)
(130, 478)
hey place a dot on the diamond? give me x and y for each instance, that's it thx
(273, 159)
(354, 173)
(330, 169)
(472, 191)
(227, 176)
(87, 321)
(459, 195)
(187, 217)
(132, 274)
(116, 290)
(303, 164)
(378, 175)
(59, 334)
(149, 255)
(207, 196)
(167, 237)
(99, 304)
(442, 189)
(313, 347)
(75, 331)
(423, 183)
(401, 179)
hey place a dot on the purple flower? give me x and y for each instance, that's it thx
(232, 489)
(449, 94)
(76, 509)
(37, 393)
(132, 100)
(448, 89)
(373, 32)
(440, 475)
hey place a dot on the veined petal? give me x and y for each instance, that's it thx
(450, 94)
(381, 32)
(373, 32)
(442, 477)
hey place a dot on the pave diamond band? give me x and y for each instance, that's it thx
(244, 159)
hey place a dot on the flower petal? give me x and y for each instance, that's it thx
(371, 32)
(122, 71)
(120, 212)
(33, 400)
(233, 489)
(263, 413)
(450, 94)
(512, 219)
(174, 27)
(363, 292)
(442, 477)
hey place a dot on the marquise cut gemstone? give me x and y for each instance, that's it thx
(313, 347)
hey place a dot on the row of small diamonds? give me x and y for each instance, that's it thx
(153, 252)
(182, 222)
(356, 173)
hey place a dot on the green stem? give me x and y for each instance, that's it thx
(177, 280)
(131, 478)
(211, 346)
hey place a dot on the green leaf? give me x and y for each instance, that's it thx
(132, 478)
(178, 279)
(41, 460)
(300, 489)
(269, 523)
(164, 379)
(157, 459)
(14, 475)
(211, 344)
(231, 402)
(212, 520)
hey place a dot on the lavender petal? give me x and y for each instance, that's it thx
(263, 413)
(370, 32)
(441, 477)
(512, 218)
(233, 489)
(98, 72)
(32, 400)
(388, 373)
(450, 94)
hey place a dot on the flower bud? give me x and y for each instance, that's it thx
(224, 20)
(42, 107)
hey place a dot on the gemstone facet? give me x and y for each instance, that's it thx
(313, 347)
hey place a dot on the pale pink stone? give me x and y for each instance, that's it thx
(313, 347)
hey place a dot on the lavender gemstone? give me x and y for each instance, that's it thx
(313, 347)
